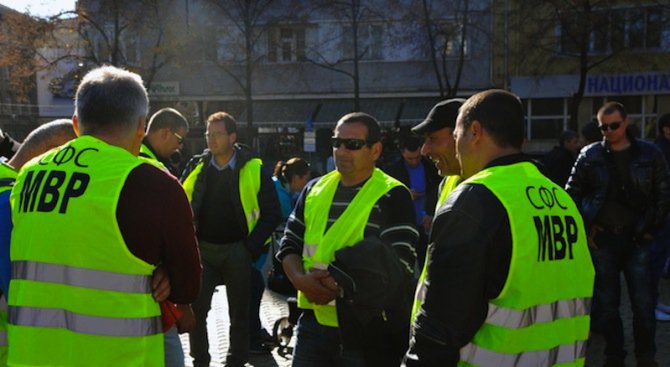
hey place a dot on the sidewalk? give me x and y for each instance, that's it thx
(274, 307)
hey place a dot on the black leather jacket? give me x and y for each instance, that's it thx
(650, 180)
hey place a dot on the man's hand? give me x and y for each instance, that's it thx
(592, 235)
(319, 287)
(186, 323)
(415, 194)
(160, 284)
(427, 223)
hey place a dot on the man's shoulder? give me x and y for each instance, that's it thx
(148, 178)
(472, 198)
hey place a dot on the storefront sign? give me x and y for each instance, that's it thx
(164, 89)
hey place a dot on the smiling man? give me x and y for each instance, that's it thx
(621, 187)
(437, 130)
(496, 298)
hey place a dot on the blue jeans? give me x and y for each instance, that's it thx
(617, 253)
(174, 353)
(319, 346)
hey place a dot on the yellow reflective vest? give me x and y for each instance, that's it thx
(541, 316)
(249, 183)
(78, 296)
(448, 185)
(7, 173)
(320, 244)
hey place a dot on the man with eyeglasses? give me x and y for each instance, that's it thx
(335, 213)
(236, 210)
(622, 188)
(166, 131)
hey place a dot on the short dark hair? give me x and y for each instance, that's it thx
(110, 99)
(373, 126)
(566, 136)
(500, 113)
(663, 121)
(591, 132)
(611, 107)
(410, 143)
(167, 118)
(225, 118)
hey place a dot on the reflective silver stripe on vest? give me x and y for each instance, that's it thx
(3, 339)
(565, 353)
(309, 250)
(515, 319)
(80, 277)
(3, 304)
(84, 324)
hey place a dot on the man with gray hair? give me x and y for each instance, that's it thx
(91, 225)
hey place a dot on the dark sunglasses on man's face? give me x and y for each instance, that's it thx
(613, 126)
(350, 144)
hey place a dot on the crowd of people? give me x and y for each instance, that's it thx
(465, 251)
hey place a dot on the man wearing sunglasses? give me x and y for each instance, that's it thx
(166, 131)
(335, 213)
(622, 188)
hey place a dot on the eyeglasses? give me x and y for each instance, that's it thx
(613, 126)
(214, 134)
(350, 144)
(180, 138)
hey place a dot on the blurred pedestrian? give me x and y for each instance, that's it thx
(420, 176)
(558, 162)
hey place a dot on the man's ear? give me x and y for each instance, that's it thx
(477, 131)
(75, 125)
(141, 125)
(376, 149)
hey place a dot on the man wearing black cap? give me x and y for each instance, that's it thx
(440, 147)
(437, 130)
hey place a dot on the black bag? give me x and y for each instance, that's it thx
(277, 279)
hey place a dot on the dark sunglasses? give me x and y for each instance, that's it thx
(350, 144)
(613, 126)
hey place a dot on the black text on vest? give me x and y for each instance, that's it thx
(48, 184)
(555, 236)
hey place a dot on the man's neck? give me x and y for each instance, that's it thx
(223, 159)
(620, 145)
(348, 181)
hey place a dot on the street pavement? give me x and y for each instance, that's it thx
(274, 306)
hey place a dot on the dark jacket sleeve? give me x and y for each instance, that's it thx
(270, 216)
(661, 190)
(156, 223)
(470, 249)
(578, 184)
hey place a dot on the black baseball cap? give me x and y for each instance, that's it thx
(443, 115)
